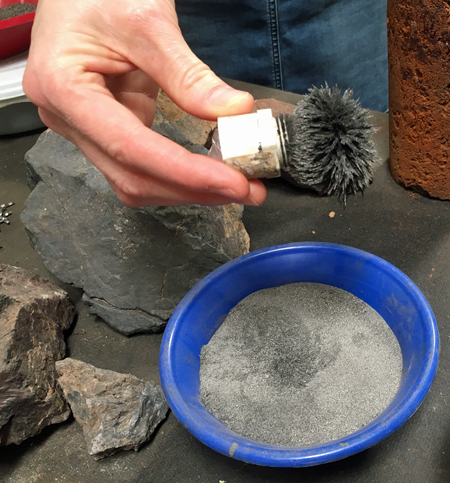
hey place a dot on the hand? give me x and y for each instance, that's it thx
(94, 70)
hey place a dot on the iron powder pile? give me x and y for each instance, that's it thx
(300, 364)
(15, 10)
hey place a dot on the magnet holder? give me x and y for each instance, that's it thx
(250, 143)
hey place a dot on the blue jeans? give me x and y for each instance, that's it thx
(293, 44)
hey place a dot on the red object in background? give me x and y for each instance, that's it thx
(15, 32)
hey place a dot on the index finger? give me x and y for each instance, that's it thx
(93, 111)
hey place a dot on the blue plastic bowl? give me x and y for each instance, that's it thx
(385, 288)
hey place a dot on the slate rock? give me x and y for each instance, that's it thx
(33, 316)
(125, 321)
(117, 411)
(134, 264)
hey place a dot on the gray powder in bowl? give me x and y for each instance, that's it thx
(300, 364)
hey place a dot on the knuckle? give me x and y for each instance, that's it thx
(31, 87)
(117, 151)
(47, 119)
(138, 14)
(194, 75)
(44, 86)
(128, 193)
(152, 20)
(119, 148)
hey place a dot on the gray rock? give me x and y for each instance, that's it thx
(134, 264)
(33, 315)
(117, 411)
(127, 322)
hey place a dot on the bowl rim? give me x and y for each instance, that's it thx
(238, 447)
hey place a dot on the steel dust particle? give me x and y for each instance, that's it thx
(4, 213)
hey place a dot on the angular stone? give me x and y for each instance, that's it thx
(33, 316)
(127, 322)
(117, 411)
(196, 130)
(164, 126)
(134, 264)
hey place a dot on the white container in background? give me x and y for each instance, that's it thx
(17, 113)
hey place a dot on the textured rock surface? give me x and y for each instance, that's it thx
(419, 95)
(194, 129)
(185, 134)
(278, 107)
(117, 411)
(33, 315)
(134, 264)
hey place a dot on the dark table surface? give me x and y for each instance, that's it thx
(408, 230)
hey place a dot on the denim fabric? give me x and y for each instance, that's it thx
(293, 44)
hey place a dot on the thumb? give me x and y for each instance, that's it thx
(196, 88)
(189, 82)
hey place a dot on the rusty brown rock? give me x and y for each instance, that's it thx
(196, 130)
(278, 107)
(33, 315)
(419, 95)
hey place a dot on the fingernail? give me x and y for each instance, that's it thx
(226, 95)
(252, 202)
(227, 192)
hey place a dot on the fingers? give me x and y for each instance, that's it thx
(134, 188)
(156, 192)
(125, 139)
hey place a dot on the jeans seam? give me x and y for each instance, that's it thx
(275, 40)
